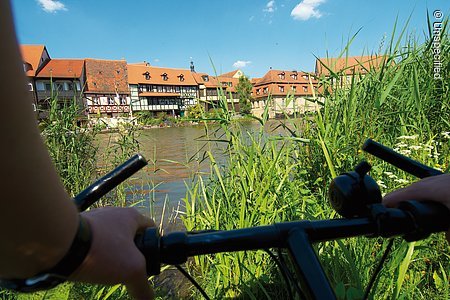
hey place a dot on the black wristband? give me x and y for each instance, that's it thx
(64, 268)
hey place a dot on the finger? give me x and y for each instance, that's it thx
(140, 289)
(394, 198)
(141, 220)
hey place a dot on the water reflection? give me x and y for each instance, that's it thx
(174, 155)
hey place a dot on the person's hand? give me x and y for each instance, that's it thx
(114, 257)
(435, 188)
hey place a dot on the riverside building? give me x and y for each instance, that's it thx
(156, 89)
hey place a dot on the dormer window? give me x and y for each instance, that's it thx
(294, 88)
(305, 89)
(294, 76)
(258, 91)
(181, 77)
(164, 77)
(281, 75)
(147, 75)
(305, 77)
(205, 78)
(265, 90)
(281, 88)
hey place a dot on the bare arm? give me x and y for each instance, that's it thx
(38, 220)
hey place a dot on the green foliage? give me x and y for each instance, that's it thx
(265, 180)
(70, 145)
(244, 91)
(195, 111)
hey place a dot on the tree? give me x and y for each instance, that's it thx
(244, 91)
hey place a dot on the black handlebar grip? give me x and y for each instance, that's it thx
(149, 244)
(103, 185)
(429, 217)
(400, 161)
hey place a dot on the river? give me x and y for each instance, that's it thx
(175, 155)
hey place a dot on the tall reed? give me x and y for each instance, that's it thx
(269, 179)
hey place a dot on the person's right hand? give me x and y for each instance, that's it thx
(435, 188)
(114, 257)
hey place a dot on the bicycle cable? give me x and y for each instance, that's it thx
(378, 269)
(193, 281)
(283, 270)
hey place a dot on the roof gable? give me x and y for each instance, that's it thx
(62, 68)
(35, 56)
(106, 76)
(145, 74)
(348, 65)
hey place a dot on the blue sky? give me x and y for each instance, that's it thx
(253, 35)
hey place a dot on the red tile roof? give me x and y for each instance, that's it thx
(106, 76)
(348, 65)
(137, 75)
(284, 77)
(211, 83)
(32, 54)
(283, 83)
(230, 74)
(62, 68)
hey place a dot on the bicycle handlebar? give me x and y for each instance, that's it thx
(413, 220)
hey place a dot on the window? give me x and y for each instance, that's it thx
(40, 86)
(281, 88)
(146, 75)
(48, 86)
(205, 78)
(59, 86)
(281, 75)
(294, 88)
(181, 77)
(123, 100)
(68, 86)
(164, 76)
(265, 90)
(294, 76)
(305, 77)
(110, 101)
(305, 88)
(258, 91)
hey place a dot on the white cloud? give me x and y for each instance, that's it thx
(307, 9)
(51, 6)
(241, 64)
(156, 60)
(270, 7)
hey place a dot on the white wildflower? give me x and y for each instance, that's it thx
(401, 180)
(415, 147)
(381, 184)
(408, 137)
(405, 152)
(390, 175)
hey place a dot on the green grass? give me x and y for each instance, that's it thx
(270, 179)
